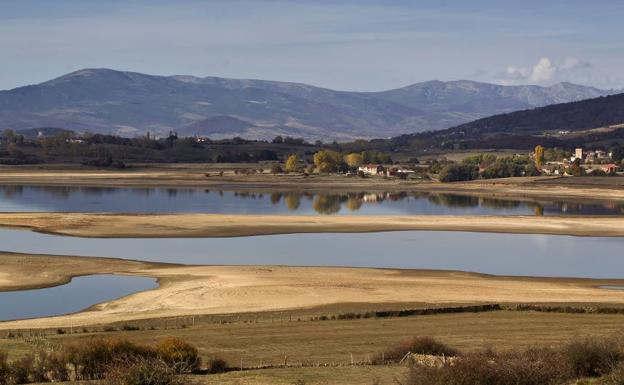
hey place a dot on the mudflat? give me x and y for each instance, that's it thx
(220, 225)
(194, 290)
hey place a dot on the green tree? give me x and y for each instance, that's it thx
(292, 163)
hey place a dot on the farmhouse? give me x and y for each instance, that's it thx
(372, 169)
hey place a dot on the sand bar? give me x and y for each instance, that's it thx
(188, 290)
(219, 225)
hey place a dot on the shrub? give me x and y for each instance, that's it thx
(217, 365)
(142, 371)
(21, 370)
(180, 355)
(592, 357)
(416, 345)
(616, 377)
(57, 368)
(276, 168)
(91, 360)
(532, 367)
(4, 369)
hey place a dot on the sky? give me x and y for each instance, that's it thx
(360, 45)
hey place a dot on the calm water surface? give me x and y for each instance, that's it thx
(96, 199)
(504, 254)
(79, 294)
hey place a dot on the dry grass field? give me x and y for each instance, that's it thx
(338, 342)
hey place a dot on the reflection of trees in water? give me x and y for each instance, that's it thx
(60, 192)
(143, 192)
(354, 203)
(328, 204)
(539, 210)
(12, 191)
(293, 201)
(500, 203)
(276, 198)
(450, 200)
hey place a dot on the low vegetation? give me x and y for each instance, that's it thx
(580, 358)
(116, 361)
(414, 345)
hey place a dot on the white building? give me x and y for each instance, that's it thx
(372, 169)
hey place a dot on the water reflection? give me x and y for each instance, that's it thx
(94, 199)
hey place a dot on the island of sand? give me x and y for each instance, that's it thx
(196, 290)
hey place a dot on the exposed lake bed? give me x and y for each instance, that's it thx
(314, 234)
(196, 290)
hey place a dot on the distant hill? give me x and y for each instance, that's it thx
(598, 122)
(575, 116)
(129, 104)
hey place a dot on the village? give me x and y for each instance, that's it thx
(580, 162)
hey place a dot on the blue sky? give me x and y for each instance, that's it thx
(351, 45)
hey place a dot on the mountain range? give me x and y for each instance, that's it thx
(131, 104)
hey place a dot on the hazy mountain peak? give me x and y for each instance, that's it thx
(131, 103)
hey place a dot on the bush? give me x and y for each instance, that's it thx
(415, 345)
(91, 360)
(4, 369)
(616, 377)
(179, 355)
(217, 365)
(142, 371)
(532, 367)
(592, 357)
(21, 370)
(276, 168)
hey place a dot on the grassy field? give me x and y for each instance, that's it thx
(361, 375)
(338, 342)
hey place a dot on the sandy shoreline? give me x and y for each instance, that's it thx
(220, 225)
(194, 290)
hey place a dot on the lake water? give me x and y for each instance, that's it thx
(503, 254)
(79, 294)
(167, 200)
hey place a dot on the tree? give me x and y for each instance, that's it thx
(539, 156)
(292, 163)
(458, 172)
(9, 135)
(278, 139)
(353, 160)
(617, 153)
(327, 161)
(575, 168)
